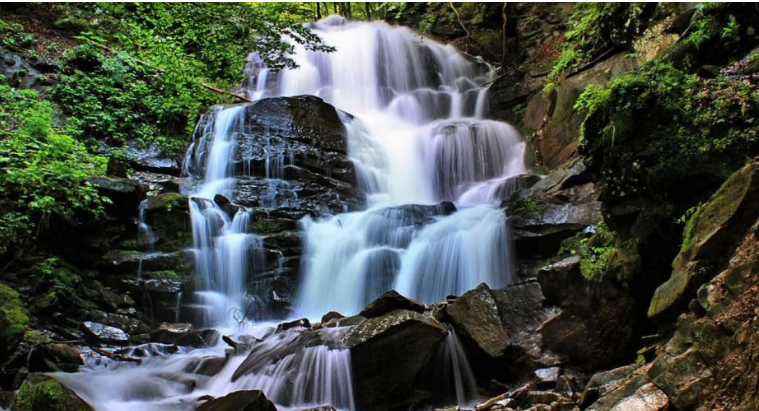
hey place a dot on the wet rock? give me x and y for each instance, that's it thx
(239, 401)
(169, 217)
(105, 333)
(152, 159)
(710, 235)
(157, 183)
(168, 333)
(290, 152)
(208, 366)
(302, 323)
(406, 340)
(130, 325)
(389, 301)
(602, 383)
(41, 392)
(332, 315)
(198, 338)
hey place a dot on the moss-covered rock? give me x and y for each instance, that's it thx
(14, 319)
(41, 392)
(711, 233)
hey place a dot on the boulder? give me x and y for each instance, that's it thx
(710, 235)
(387, 353)
(208, 366)
(105, 333)
(253, 400)
(290, 151)
(183, 334)
(389, 301)
(41, 392)
(475, 315)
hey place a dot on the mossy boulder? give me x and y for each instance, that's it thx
(41, 392)
(710, 235)
(13, 320)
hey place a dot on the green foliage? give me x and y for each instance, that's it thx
(597, 27)
(108, 99)
(658, 125)
(597, 254)
(705, 25)
(44, 171)
(139, 74)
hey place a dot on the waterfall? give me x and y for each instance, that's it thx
(434, 171)
(222, 244)
(419, 137)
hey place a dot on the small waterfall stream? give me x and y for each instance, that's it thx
(434, 170)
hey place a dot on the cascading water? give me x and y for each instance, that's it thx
(434, 170)
(419, 137)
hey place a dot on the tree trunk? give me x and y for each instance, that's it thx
(318, 11)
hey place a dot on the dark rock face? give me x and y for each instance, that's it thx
(406, 340)
(239, 401)
(554, 116)
(596, 322)
(390, 301)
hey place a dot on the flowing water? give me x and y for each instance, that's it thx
(434, 170)
(419, 137)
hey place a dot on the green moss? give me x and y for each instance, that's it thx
(41, 392)
(165, 274)
(597, 254)
(13, 319)
(597, 27)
